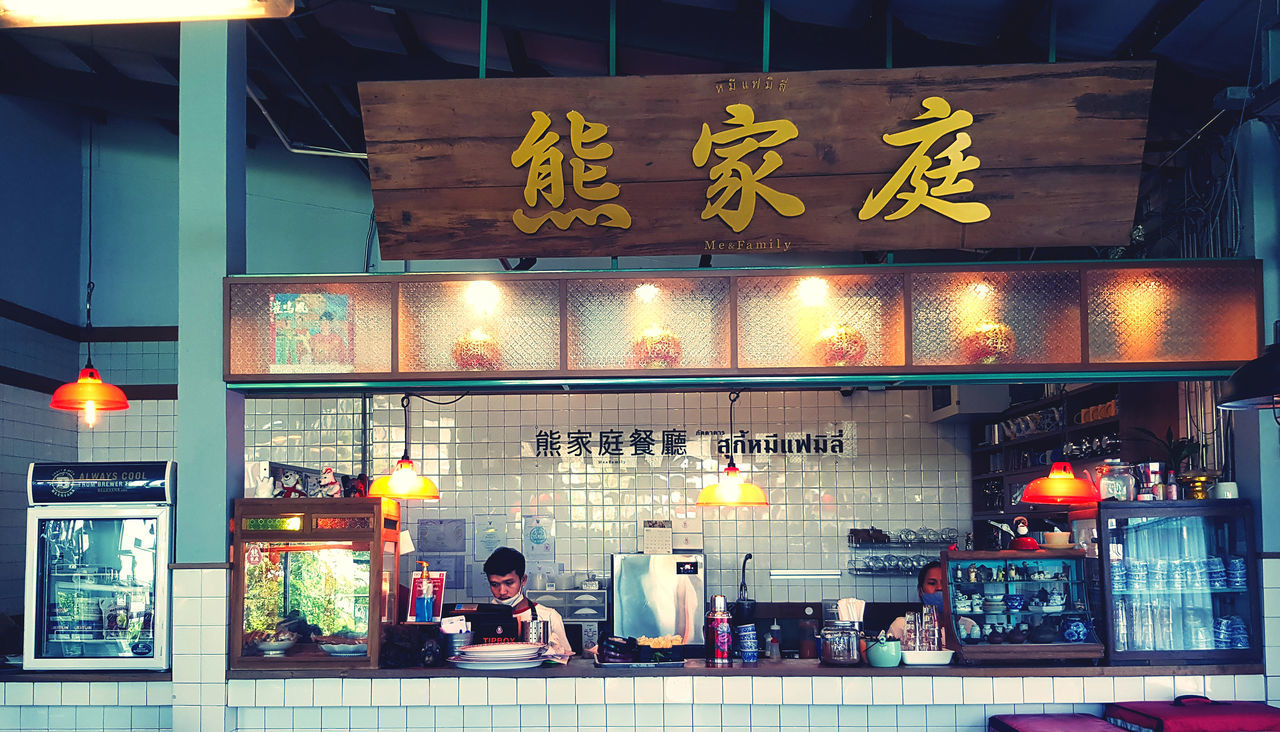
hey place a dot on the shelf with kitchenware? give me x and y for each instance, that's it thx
(1083, 426)
(874, 552)
(1003, 606)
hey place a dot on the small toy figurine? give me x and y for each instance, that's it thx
(1022, 539)
(290, 486)
(329, 485)
(357, 487)
(973, 573)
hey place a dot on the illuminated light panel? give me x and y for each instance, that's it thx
(32, 13)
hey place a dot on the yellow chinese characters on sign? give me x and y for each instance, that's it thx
(546, 175)
(734, 177)
(928, 184)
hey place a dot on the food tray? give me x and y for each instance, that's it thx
(637, 664)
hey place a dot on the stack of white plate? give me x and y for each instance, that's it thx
(499, 656)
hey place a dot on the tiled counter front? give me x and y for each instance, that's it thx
(143, 706)
(702, 704)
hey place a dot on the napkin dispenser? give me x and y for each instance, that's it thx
(490, 622)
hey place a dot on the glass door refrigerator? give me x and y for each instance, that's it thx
(98, 552)
(1180, 581)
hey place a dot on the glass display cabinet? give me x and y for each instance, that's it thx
(314, 581)
(1180, 581)
(1003, 606)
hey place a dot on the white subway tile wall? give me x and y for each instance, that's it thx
(36, 352)
(1271, 633)
(29, 431)
(642, 703)
(135, 362)
(201, 693)
(895, 470)
(147, 430)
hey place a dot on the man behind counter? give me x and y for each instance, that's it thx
(505, 570)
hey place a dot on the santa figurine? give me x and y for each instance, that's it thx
(329, 485)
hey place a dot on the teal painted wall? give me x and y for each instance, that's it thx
(304, 215)
(40, 207)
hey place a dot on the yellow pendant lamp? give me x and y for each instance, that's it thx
(404, 482)
(731, 490)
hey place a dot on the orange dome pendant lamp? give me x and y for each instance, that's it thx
(89, 393)
(1061, 486)
(731, 490)
(404, 482)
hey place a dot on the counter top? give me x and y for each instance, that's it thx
(582, 668)
(11, 674)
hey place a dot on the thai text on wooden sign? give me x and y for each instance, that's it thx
(956, 157)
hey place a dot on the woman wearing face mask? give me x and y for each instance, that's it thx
(505, 570)
(929, 585)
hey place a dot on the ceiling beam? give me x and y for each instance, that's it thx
(521, 64)
(1160, 22)
(1013, 40)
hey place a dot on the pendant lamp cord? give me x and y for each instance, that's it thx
(404, 404)
(733, 397)
(88, 295)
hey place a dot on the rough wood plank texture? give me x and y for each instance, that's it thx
(1060, 148)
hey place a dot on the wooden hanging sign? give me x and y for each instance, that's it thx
(968, 157)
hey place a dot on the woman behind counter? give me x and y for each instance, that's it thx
(929, 587)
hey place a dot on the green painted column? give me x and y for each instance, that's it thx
(211, 244)
(1257, 438)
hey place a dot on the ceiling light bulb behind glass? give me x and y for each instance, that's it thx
(647, 293)
(483, 297)
(812, 291)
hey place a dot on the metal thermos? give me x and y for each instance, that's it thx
(719, 634)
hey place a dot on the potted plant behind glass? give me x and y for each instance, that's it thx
(1193, 480)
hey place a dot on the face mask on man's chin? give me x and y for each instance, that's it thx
(511, 601)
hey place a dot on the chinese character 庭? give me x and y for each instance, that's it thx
(733, 177)
(917, 167)
(546, 175)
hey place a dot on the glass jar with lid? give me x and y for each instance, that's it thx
(840, 643)
(1116, 480)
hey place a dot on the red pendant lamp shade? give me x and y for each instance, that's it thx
(89, 393)
(1061, 486)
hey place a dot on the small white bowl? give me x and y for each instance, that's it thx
(926, 658)
(276, 648)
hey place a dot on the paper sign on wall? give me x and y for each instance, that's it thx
(539, 538)
(490, 533)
